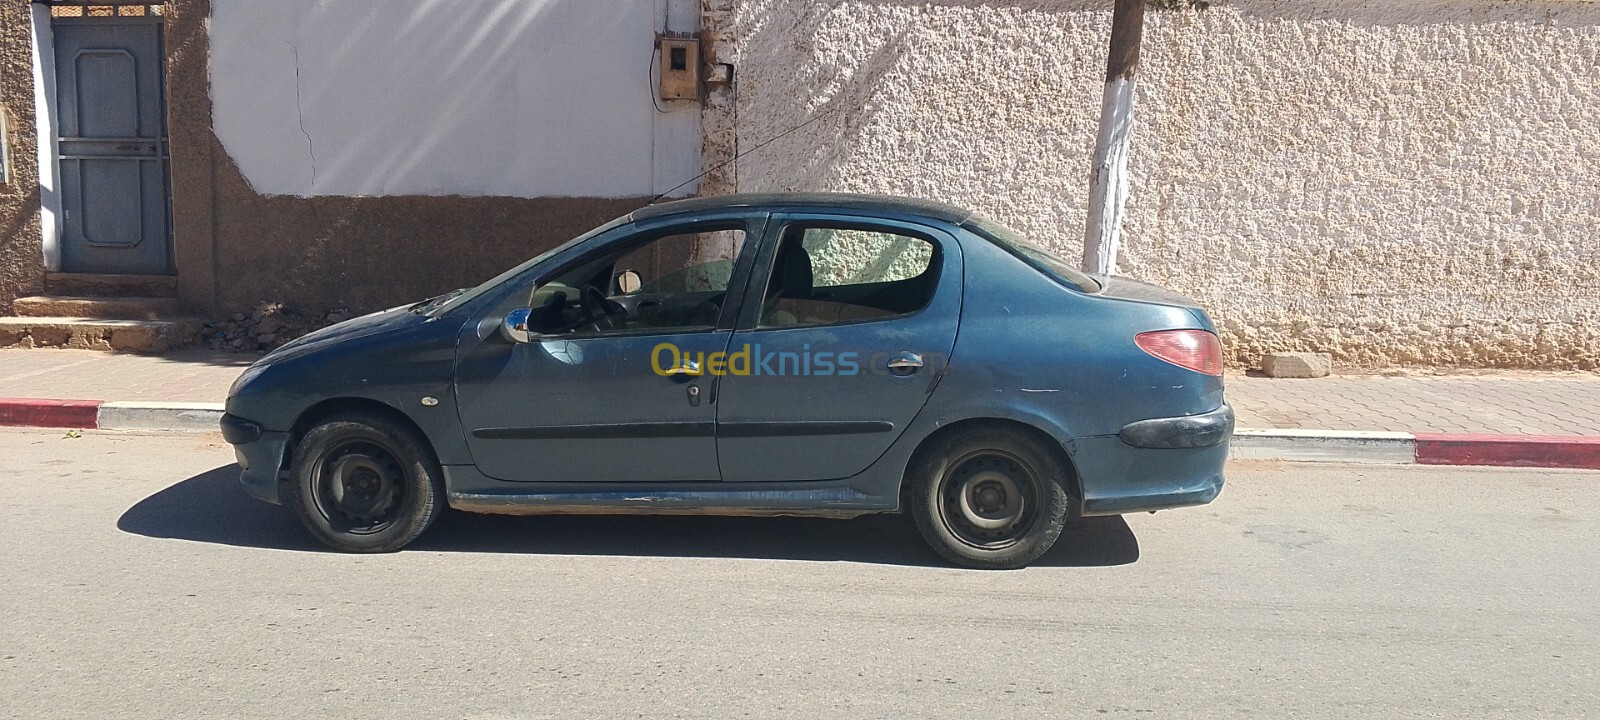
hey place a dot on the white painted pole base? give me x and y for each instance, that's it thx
(1108, 188)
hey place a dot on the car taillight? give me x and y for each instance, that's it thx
(1196, 350)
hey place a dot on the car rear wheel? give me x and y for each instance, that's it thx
(362, 482)
(990, 498)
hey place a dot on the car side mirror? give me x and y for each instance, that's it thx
(515, 326)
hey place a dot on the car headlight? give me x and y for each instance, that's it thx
(250, 373)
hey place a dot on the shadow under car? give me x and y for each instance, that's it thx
(210, 507)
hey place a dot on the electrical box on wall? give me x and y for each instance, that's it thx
(680, 66)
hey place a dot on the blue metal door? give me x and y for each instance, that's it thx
(112, 137)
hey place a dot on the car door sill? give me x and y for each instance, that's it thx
(469, 490)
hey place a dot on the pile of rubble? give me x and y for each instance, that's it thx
(266, 327)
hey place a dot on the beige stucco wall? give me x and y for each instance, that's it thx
(1397, 183)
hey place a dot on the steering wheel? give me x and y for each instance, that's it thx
(597, 306)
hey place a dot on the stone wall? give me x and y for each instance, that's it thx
(21, 254)
(1396, 183)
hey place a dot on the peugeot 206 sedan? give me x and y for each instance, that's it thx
(789, 354)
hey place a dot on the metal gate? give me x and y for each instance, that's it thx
(112, 131)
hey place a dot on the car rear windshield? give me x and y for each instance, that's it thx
(1039, 258)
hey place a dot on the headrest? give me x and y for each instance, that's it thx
(792, 271)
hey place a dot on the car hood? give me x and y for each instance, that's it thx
(1128, 289)
(382, 321)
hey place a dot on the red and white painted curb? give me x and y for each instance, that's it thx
(95, 414)
(1508, 450)
(1346, 446)
(1561, 451)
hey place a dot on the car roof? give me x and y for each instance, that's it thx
(778, 201)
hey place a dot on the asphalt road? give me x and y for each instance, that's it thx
(138, 581)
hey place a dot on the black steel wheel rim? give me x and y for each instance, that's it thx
(359, 486)
(989, 499)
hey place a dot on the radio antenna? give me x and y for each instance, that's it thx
(735, 158)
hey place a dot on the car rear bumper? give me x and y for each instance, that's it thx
(1118, 477)
(259, 453)
(1192, 431)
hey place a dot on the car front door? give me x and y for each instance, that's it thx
(846, 326)
(610, 386)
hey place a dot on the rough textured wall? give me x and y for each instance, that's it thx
(1397, 183)
(21, 254)
(236, 247)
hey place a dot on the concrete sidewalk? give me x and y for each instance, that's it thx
(1500, 402)
(191, 375)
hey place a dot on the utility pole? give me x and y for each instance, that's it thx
(1108, 187)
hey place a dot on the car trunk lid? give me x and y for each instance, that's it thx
(1123, 288)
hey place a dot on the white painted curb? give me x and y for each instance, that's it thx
(182, 417)
(1351, 446)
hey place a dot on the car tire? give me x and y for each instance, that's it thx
(992, 498)
(365, 483)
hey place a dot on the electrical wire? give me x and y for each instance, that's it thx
(736, 157)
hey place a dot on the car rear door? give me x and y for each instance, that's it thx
(846, 326)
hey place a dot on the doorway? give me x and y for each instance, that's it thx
(111, 130)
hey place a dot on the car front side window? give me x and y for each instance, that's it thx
(667, 283)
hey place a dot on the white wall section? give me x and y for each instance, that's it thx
(44, 100)
(519, 98)
(677, 136)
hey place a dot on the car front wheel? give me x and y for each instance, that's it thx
(362, 482)
(990, 498)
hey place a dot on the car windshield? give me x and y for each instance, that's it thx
(494, 282)
(1041, 259)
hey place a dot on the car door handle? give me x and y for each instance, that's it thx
(689, 369)
(904, 363)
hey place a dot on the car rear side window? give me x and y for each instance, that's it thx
(1045, 261)
(826, 275)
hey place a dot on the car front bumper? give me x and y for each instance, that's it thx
(259, 453)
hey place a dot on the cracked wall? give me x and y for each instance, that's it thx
(1399, 184)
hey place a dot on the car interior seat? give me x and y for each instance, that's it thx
(791, 280)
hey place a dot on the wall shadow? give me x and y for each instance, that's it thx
(211, 508)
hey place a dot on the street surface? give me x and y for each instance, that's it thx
(138, 581)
